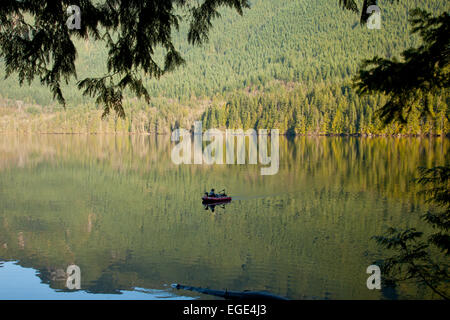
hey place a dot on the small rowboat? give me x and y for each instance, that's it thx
(216, 200)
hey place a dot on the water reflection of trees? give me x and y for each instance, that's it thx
(116, 205)
(368, 163)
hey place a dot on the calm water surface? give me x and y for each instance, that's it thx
(117, 207)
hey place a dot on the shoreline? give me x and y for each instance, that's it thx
(342, 135)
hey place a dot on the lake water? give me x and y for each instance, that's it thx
(133, 221)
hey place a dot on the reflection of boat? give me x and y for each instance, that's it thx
(212, 205)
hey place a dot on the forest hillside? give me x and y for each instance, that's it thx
(283, 64)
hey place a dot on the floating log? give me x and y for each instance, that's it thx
(231, 295)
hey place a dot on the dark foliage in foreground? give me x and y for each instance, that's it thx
(36, 43)
(416, 258)
(422, 75)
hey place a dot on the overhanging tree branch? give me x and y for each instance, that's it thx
(131, 30)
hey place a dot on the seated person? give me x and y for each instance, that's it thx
(211, 193)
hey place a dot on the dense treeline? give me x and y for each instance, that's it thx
(160, 117)
(311, 46)
(324, 109)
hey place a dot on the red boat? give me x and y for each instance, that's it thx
(216, 200)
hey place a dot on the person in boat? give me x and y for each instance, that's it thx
(212, 194)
